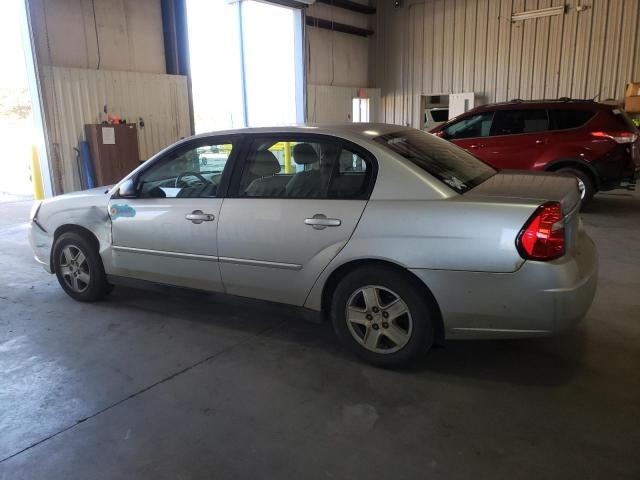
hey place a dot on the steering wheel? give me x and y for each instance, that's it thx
(187, 174)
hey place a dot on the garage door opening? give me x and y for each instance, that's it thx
(16, 122)
(246, 64)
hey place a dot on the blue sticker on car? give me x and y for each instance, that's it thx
(121, 211)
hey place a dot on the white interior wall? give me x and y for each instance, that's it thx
(449, 46)
(129, 34)
(337, 64)
(330, 104)
(78, 94)
(77, 81)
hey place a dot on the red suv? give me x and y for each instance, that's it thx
(597, 143)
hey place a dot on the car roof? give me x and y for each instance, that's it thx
(558, 103)
(365, 131)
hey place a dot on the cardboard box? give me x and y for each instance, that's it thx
(632, 104)
(632, 98)
(633, 89)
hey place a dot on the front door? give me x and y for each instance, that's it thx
(470, 132)
(292, 207)
(168, 233)
(518, 138)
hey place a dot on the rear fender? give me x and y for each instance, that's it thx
(454, 234)
(573, 163)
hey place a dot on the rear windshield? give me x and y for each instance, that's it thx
(448, 163)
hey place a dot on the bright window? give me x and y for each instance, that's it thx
(246, 64)
(360, 110)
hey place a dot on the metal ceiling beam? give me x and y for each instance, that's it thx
(337, 27)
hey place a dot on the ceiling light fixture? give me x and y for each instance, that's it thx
(542, 12)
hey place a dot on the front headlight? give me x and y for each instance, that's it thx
(34, 209)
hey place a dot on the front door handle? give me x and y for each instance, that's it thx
(198, 216)
(320, 221)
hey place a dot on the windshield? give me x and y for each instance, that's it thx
(448, 163)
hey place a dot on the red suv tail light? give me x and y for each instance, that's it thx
(619, 137)
(542, 237)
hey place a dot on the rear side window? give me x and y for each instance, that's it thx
(515, 122)
(282, 167)
(563, 119)
(474, 126)
(445, 161)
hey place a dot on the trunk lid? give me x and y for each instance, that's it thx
(537, 186)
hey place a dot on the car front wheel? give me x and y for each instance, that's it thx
(379, 314)
(79, 269)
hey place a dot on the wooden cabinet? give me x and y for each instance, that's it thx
(114, 151)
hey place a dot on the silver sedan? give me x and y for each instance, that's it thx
(400, 238)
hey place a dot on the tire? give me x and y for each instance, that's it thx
(79, 268)
(585, 180)
(374, 335)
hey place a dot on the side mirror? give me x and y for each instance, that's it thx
(128, 189)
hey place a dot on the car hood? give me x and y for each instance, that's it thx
(98, 191)
(537, 186)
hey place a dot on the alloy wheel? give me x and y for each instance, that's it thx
(378, 319)
(74, 268)
(581, 188)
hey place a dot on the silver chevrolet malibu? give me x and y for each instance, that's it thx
(399, 237)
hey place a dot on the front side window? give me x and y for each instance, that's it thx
(474, 126)
(443, 160)
(515, 122)
(285, 168)
(189, 172)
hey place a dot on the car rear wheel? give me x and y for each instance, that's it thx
(585, 183)
(79, 269)
(379, 314)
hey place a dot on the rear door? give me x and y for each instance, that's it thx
(294, 202)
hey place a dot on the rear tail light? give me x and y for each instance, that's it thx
(542, 237)
(619, 137)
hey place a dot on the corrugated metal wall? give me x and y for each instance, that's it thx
(75, 97)
(447, 46)
(330, 104)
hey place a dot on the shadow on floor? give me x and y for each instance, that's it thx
(544, 361)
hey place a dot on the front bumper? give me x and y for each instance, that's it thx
(540, 299)
(41, 243)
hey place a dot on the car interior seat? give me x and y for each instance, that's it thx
(264, 168)
(306, 183)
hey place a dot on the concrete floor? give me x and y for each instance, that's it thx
(183, 387)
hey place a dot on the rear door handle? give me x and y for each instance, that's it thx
(320, 221)
(539, 141)
(474, 146)
(198, 216)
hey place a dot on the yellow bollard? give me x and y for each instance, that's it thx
(287, 157)
(36, 176)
